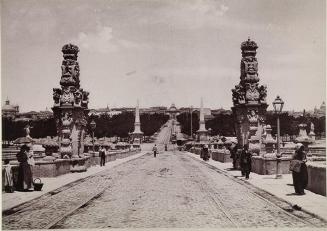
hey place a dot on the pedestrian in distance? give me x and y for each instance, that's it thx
(155, 150)
(299, 169)
(205, 153)
(25, 177)
(245, 161)
(102, 156)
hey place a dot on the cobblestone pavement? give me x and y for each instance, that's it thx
(172, 191)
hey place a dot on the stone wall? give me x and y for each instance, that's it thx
(267, 166)
(51, 168)
(221, 155)
(317, 178)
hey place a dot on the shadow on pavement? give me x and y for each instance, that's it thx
(293, 194)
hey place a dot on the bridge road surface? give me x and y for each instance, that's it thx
(172, 190)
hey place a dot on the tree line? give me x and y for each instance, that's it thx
(223, 124)
(118, 125)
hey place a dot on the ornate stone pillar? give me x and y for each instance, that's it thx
(71, 108)
(249, 100)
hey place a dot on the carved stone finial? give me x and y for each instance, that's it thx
(70, 51)
(249, 48)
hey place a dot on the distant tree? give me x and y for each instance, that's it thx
(224, 124)
(151, 123)
(185, 121)
(221, 125)
(122, 124)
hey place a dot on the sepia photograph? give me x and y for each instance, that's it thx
(163, 114)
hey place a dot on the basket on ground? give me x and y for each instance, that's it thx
(37, 185)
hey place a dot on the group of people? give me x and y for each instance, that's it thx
(298, 165)
(244, 157)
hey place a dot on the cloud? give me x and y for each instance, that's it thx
(191, 14)
(103, 41)
(209, 8)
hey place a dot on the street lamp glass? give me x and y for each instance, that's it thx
(278, 104)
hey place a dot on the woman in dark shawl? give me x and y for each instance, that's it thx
(24, 171)
(300, 179)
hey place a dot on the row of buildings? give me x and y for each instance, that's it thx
(12, 111)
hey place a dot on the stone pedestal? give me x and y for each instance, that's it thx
(78, 165)
(303, 138)
(267, 165)
(269, 141)
(221, 155)
(202, 135)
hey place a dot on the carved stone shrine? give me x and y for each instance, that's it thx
(71, 109)
(249, 100)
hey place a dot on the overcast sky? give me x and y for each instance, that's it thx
(163, 51)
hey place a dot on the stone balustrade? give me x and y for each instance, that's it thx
(221, 155)
(267, 165)
(317, 177)
(56, 167)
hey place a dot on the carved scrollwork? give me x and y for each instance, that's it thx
(252, 93)
(262, 93)
(78, 97)
(56, 95)
(67, 96)
(253, 116)
(238, 94)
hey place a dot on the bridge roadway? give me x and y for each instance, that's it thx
(172, 191)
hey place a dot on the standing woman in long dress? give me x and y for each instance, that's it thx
(25, 177)
(300, 179)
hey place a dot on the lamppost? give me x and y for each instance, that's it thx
(191, 111)
(93, 126)
(278, 107)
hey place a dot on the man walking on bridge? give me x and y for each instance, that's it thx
(155, 150)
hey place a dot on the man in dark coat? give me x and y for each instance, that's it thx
(205, 154)
(155, 150)
(245, 161)
(102, 156)
(234, 154)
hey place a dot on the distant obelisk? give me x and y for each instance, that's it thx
(202, 132)
(137, 134)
